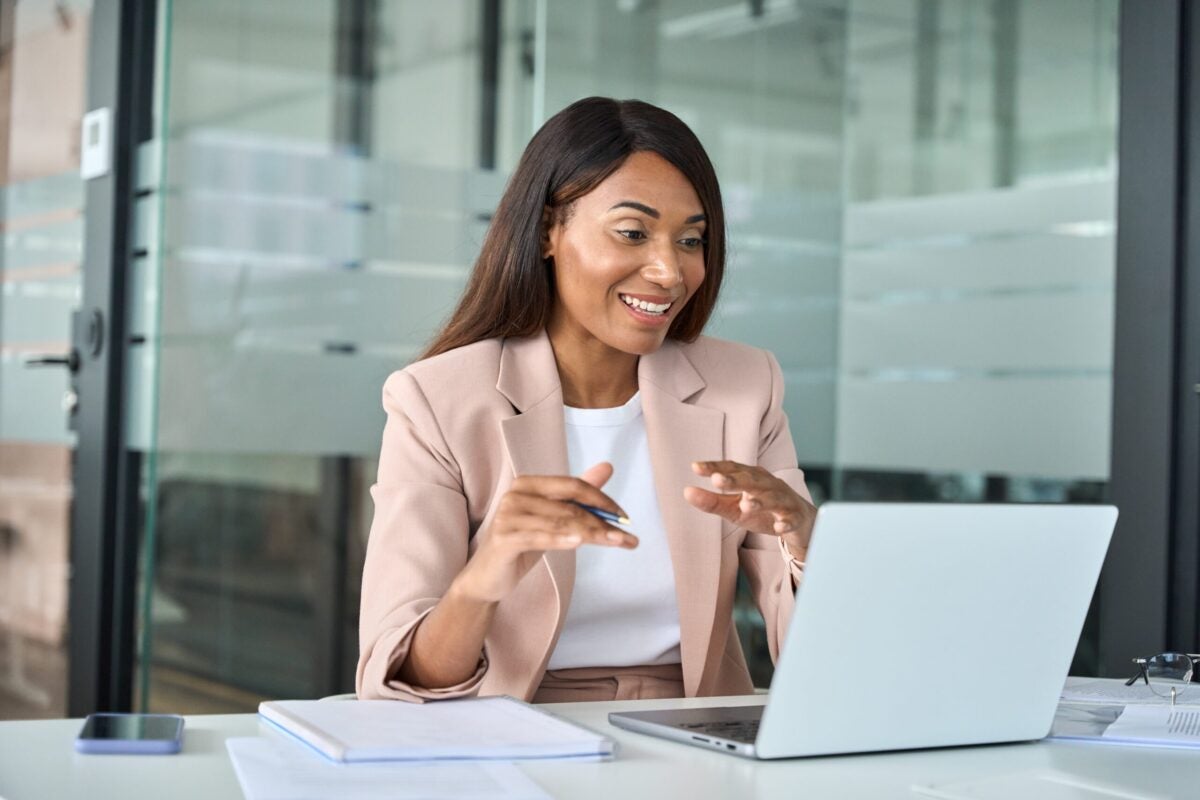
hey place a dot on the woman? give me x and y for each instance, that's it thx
(576, 350)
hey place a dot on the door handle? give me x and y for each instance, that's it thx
(70, 361)
(92, 326)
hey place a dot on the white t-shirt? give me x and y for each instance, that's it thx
(623, 609)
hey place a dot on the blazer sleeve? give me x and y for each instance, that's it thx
(417, 545)
(772, 573)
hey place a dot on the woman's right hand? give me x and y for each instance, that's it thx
(538, 513)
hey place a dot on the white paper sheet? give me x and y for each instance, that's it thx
(1146, 726)
(1102, 691)
(276, 769)
(1179, 727)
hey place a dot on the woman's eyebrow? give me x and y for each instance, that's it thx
(652, 212)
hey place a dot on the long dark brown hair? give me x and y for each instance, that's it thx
(511, 291)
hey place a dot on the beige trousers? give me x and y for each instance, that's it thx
(610, 683)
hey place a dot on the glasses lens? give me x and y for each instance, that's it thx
(1169, 673)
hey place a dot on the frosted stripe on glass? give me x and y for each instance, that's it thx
(257, 400)
(1039, 259)
(1047, 427)
(1024, 209)
(1068, 331)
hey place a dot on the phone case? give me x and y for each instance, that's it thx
(133, 746)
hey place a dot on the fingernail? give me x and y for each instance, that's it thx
(572, 539)
(616, 536)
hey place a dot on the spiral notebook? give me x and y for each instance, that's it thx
(499, 728)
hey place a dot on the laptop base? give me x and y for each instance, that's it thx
(730, 729)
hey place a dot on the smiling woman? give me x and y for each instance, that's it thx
(570, 385)
(624, 269)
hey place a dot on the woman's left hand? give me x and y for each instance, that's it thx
(754, 499)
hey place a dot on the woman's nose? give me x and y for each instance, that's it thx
(663, 268)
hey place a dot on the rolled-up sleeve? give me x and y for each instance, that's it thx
(417, 545)
(771, 572)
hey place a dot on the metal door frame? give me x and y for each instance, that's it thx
(105, 507)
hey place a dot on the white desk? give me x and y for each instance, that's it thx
(37, 761)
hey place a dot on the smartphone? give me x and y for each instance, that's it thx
(130, 733)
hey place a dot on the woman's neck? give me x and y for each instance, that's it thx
(593, 375)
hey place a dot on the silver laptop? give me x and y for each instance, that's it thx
(918, 626)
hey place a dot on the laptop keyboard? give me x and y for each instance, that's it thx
(737, 731)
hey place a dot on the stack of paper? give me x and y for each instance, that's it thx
(277, 769)
(374, 748)
(1147, 725)
(498, 728)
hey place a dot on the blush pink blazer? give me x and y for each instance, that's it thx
(460, 426)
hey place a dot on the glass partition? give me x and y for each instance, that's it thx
(43, 51)
(920, 228)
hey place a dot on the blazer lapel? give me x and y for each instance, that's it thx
(536, 442)
(680, 433)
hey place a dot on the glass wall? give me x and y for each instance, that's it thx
(975, 339)
(43, 51)
(920, 229)
(311, 208)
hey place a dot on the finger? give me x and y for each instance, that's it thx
(730, 475)
(798, 524)
(749, 504)
(707, 468)
(531, 538)
(597, 474)
(562, 487)
(536, 514)
(786, 523)
(723, 505)
(750, 479)
(553, 515)
(768, 499)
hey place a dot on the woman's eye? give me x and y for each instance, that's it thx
(692, 242)
(633, 235)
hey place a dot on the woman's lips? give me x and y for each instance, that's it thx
(645, 317)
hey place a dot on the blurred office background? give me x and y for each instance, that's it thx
(922, 206)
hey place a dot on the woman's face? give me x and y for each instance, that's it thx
(628, 256)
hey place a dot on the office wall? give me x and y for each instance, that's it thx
(920, 228)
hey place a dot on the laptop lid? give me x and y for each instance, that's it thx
(933, 625)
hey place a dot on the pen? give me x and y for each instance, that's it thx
(607, 516)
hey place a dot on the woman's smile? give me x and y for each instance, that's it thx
(648, 309)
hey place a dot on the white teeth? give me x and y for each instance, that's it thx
(642, 305)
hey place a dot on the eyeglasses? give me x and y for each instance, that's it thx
(1167, 674)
